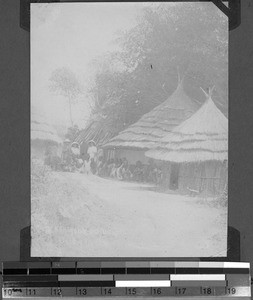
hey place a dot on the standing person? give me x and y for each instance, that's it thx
(75, 155)
(86, 168)
(75, 149)
(92, 150)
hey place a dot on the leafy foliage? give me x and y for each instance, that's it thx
(64, 82)
(182, 38)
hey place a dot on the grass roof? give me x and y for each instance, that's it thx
(145, 133)
(95, 131)
(202, 137)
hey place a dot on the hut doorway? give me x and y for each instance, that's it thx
(174, 176)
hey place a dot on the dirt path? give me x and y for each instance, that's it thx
(92, 216)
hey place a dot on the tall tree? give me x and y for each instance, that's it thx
(64, 82)
(189, 37)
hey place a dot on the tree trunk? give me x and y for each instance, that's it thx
(70, 112)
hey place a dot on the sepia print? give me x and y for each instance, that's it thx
(129, 129)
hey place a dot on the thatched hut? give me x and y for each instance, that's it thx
(197, 151)
(96, 131)
(43, 136)
(135, 140)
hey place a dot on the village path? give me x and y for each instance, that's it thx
(104, 217)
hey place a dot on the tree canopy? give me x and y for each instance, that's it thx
(186, 38)
(64, 82)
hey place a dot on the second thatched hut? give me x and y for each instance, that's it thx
(196, 152)
(152, 126)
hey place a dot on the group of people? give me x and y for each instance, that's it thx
(70, 158)
(94, 162)
(120, 169)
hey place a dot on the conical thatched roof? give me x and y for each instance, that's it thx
(202, 137)
(152, 126)
(97, 131)
(41, 130)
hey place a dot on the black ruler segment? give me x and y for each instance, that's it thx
(162, 271)
(21, 284)
(138, 270)
(39, 271)
(102, 283)
(186, 271)
(211, 271)
(88, 271)
(236, 271)
(14, 271)
(40, 284)
(64, 271)
(29, 278)
(113, 271)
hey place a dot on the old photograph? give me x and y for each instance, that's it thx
(129, 129)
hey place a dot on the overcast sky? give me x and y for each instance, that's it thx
(72, 35)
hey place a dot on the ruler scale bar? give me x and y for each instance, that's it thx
(130, 291)
(178, 279)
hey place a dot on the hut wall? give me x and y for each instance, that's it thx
(166, 171)
(109, 153)
(207, 177)
(131, 155)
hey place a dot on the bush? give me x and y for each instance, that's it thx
(40, 175)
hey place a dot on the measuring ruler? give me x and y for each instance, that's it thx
(204, 280)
